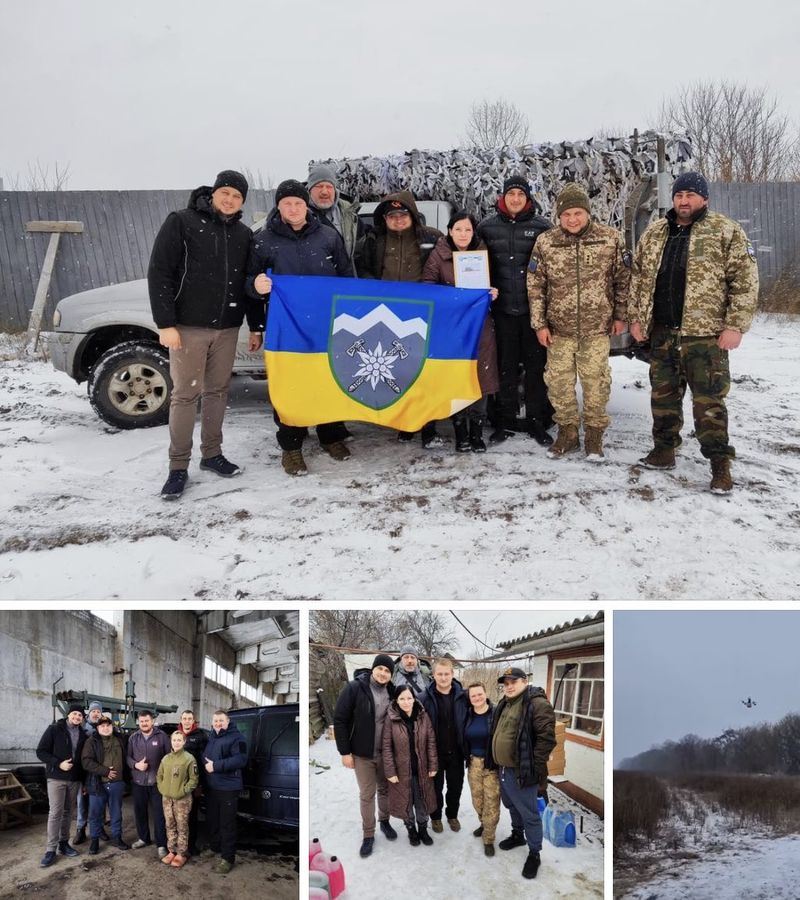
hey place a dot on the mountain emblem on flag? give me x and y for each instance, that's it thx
(377, 348)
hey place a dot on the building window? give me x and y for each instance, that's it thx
(581, 694)
(215, 672)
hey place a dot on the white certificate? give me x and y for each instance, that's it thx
(471, 269)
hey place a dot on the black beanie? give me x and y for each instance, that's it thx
(382, 659)
(691, 181)
(75, 707)
(232, 179)
(517, 181)
(291, 188)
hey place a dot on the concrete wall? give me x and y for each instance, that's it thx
(35, 649)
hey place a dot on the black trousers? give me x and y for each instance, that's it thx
(147, 799)
(451, 769)
(221, 822)
(291, 437)
(517, 345)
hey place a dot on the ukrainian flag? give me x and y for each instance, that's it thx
(392, 353)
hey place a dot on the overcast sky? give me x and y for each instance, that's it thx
(156, 94)
(493, 626)
(678, 673)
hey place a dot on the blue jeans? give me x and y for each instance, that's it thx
(521, 803)
(111, 794)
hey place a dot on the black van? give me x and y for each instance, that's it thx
(271, 793)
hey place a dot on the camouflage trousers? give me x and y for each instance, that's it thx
(697, 362)
(587, 359)
(484, 785)
(176, 815)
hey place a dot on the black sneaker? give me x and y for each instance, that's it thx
(221, 466)
(65, 850)
(532, 864)
(174, 485)
(48, 859)
(499, 435)
(366, 847)
(515, 839)
(387, 830)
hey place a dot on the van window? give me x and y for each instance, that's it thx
(280, 735)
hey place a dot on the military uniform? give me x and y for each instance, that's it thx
(577, 286)
(719, 285)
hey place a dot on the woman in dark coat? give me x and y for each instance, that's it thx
(462, 235)
(410, 763)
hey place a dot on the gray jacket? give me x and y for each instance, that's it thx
(153, 748)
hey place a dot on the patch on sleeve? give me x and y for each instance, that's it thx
(627, 259)
(751, 251)
(533, 265)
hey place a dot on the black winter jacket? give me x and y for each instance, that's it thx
(198, 267)
(460, 705)
(510, 243)
(536, 736)
(354, 716)
(228, 751)
(92, 759)
(55, 746)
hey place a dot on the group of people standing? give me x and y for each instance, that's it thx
(410, 739)
(89, 761)
(559, 290)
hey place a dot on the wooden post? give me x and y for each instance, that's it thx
(55, 229)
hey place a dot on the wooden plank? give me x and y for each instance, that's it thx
(72, 227)
(35, 324)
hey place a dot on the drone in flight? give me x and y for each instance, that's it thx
(749, 703)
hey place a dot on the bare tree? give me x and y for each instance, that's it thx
(356, 628)
(258, 179)
(41, 177)
(494, 124)
(427, 631)
(738, 133)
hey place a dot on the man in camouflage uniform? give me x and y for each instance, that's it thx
(578, 281)
(694, 291)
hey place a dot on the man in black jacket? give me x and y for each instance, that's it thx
(196, 740)
(509, 236)
(295, 242)
(60, 750)
(196, 281)
(446, 703)
(358, 727)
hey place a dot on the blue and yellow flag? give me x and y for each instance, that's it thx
(387, 352)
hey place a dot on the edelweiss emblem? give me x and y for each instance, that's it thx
(376, 364)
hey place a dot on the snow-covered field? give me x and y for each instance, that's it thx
(720, 859)
(454, 868)
(81, 517)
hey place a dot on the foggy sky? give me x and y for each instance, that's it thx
(163, 95)
(686, 672)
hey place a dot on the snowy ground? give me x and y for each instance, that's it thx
(717, 858)
(455, 868)
(81, 517)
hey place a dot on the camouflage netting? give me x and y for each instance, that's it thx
(609, 168)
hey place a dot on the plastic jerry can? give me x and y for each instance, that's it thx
(314, 847)
(563, 828)
(332, 867)
(547, 823)
(319, 880)
(315, 893)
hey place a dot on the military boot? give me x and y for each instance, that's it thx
(461, 429)
(293, 462)
(338, 450)
(476, 436)
(721, 481)
(593, 443)
(659, 458)
(566, 442)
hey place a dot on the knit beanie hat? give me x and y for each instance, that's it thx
(383, 660)
(291, 188)
(318, 174)
(691, 181)
(232, 179)
(409, 650)
(517, 181)
(75, 707)
(573, 196)
(95, 704)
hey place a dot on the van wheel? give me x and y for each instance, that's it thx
(129, 386)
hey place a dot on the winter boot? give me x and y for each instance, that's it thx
(566, 442)
(366, 847)
(476, 436)
(430, 437)
(293, 462)
(478, 831)
(488, 849)
(422, 831)
(387, 831)
(659, 458)
(338, 450)
(413, 835)
(94, 846)
(532, 864)
(454, 824)
(539, 433)
(436, 825)
(174, 485)
(593, 443)
(80, 835)
(515, 839)
(461, 430)
(721, 481)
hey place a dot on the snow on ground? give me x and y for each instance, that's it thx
(81, 517)
(454, 868)
(715, 857)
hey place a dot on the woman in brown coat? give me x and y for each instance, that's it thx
(410, 762)
(462, 235)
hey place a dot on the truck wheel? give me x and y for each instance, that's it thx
(129, 386)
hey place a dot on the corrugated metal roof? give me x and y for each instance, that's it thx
(554, 629)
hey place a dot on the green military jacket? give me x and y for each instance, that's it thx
(177, 775)
(721, 277)
(578, 284)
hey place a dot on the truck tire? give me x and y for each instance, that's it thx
(130, 387)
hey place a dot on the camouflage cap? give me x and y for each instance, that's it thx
(573, 196)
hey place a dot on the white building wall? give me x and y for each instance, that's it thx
(585, 768)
